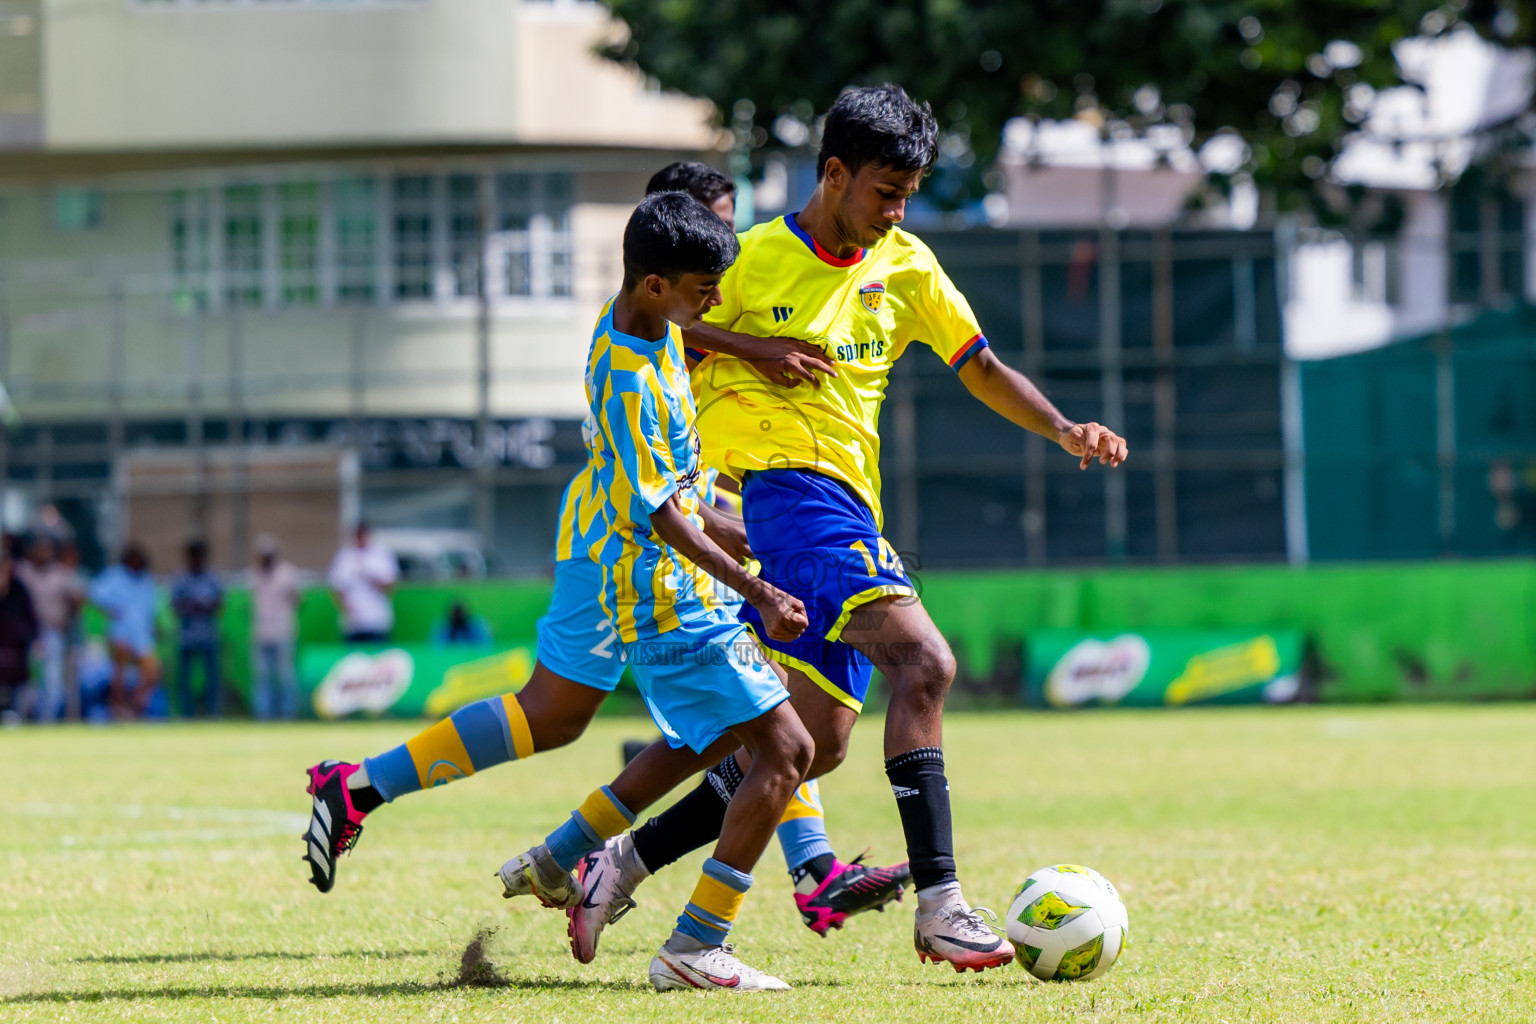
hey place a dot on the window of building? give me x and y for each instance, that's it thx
(464, 231)
(413, 236)
(558, 197)
(1487, 241)
(355, 206)
(360, 239)
(533, 234)
(76, 209)
(514, 210)
(1374, 271)
(243, 237)
(299, 243)
(189, 245)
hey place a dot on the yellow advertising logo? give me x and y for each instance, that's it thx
(476, 680)
(1224, 670)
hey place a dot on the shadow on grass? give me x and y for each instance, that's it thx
(395, 988)
(193, 958)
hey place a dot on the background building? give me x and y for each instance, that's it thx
(382, 225)
(240, 240)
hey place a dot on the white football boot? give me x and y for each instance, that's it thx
(713, 967)
(536, 874)
(955, 934)
(608, 878)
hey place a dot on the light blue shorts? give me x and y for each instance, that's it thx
(702, 678)
(576, 640)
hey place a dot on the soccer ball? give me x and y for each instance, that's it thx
(1067, 924)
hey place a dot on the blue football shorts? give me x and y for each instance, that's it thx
(818, 541)
(702, 678)
(576, 639)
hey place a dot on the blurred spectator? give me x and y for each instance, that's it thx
(52, 525)
(127, 596)
(74, 638)
(18, 629)
(461, 626)
(93, 674)
(57, 594)
(196, 598)
(275, 602)
(362, 575)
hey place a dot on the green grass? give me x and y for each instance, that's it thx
(1303, 864)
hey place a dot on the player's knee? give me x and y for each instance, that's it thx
(793, 750)
(550, 727)
(830, 752)
(924, 677)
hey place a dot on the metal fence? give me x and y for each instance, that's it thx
(1173, 337)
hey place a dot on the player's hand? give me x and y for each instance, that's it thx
(796, 361)
(783, 614)
(1089, 441)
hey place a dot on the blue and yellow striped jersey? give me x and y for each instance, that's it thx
(581, 522)
(863, 311)
(645, 449)
(581, 516)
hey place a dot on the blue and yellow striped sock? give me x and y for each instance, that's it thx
(473, 738)
(599, 818)
(802, 831)
(716, 901)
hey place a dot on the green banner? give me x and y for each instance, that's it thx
(1161, 668)
(408, 680)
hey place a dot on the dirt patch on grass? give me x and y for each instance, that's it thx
(475, 967)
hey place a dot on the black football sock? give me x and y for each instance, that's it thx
(817, 868)
(922, 798)
(693, 822)
(365, 799)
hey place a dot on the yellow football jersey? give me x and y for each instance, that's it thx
(863, 311)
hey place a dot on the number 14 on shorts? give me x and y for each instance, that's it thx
(889, 559)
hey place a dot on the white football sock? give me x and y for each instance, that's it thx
(631, 866)
(936, 896)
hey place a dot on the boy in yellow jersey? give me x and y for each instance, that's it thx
(827, 891)
(695, 665)
(841, 274)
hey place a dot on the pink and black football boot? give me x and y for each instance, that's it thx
(334, 823)
(851, 889)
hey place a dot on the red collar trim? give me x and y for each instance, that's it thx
(821, 254)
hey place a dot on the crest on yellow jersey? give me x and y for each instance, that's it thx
(872, 295)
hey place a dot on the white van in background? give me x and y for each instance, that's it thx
(435, 555)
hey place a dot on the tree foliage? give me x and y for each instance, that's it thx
(1292, 77)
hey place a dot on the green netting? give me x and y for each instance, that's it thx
(1373, 445)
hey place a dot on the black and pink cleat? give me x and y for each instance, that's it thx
(334, 823)
(851, 889)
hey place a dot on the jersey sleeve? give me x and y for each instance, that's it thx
(644, 473)
(945, 320)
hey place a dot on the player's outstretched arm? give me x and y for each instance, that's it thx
(785, 361)
(783, 615)
(1014, 397)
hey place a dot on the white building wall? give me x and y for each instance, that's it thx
(1424, 278)
(1327, 314)
(59, 288)
(130, 75)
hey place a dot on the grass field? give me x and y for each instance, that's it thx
(1301, 864)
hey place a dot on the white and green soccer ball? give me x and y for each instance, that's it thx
(1067, 924)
